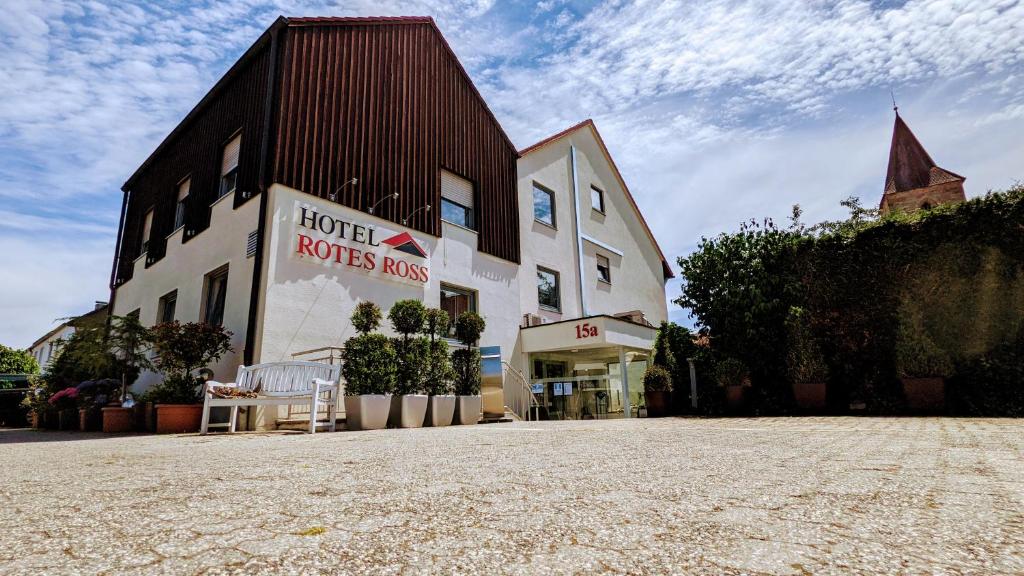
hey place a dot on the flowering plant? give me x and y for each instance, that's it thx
(64, 399)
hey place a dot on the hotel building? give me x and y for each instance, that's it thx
(350, 159)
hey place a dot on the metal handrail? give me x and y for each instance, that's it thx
(524, 392)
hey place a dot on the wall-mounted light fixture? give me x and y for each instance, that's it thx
(334, 197)
(405, 221)
(393, 196)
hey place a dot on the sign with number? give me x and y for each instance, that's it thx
(585, 330)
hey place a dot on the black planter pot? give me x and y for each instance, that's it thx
(659, 403)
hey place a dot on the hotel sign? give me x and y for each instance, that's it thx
(359, 246)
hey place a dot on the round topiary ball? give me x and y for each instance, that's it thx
(407, 316)
(468, 328)
(366, 317)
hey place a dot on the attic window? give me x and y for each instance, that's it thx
(456, 200)
(229, 167)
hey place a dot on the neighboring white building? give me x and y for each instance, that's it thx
(45, 348)
(546, 243)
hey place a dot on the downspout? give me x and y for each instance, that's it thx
(255, 293)
(584, 309)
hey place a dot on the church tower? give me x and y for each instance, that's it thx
(913, 181)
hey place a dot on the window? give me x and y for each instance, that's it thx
(597, 199)
(543, 205)
(179, 211)
(216, 288)
(165, 311)
(457, 200)
(547, 289)
(455, 301)
(147, 229)
(229, 167)
(604, 269)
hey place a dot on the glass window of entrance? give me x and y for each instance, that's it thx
(455, 301)
(543, 205)
(547, 289)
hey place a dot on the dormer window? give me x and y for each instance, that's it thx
(179, 210)
(147, 229)
(229, 167)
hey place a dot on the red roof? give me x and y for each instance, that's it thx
(910, 165)
(629, 196)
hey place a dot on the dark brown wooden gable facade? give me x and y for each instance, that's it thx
(383, 100)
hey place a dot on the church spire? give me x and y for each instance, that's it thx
(912, 170)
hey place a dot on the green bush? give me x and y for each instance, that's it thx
(731, 372)
(804, 358)
(436, 323)
(17, 361)
(657, 379)
(468, 328)
(176, 388)
(991, 384)
(407, 317)
(439, 376)
(182, 349)
(411, 356)
(466, 366)
(366, 317)
(369, 365)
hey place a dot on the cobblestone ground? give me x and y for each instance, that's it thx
(779, 496)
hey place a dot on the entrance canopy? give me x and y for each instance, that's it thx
(590, 332)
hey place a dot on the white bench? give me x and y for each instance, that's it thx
(279, 384)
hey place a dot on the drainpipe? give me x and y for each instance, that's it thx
(584, 309)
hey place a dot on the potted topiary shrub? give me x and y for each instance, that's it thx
(368, 366)
(35, 401)
(181, 351)
(805, 363)
(439, 380)
(466, 366)
(409, 402)
(922, 368)
(657, 391)
(732, 375)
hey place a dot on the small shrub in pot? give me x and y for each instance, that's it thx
(657, 390)
(369, 366)
(466, 366)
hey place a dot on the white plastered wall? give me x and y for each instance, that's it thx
(184, 268)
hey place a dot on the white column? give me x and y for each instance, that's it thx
(624, 371)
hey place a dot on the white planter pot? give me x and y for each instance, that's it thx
(367, 411)
(408, 411)
(440, 411)
(467, 409)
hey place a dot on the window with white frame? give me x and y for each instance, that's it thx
(215, 291)
(457, 200)
(147, 229)
(179, 210)
(547, 289)
(604, 269)
(229, 167)
(543, 205)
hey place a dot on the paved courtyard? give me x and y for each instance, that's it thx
(779, 496)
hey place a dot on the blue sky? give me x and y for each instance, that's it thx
(715, 110)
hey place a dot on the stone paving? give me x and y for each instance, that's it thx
(723, 496)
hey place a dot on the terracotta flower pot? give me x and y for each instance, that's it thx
(734, 396)
(35, 420)
(925, 394)
(117, 419)
(178, 418)
(658, 402)
(810, 396)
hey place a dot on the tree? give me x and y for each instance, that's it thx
(17, 361)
